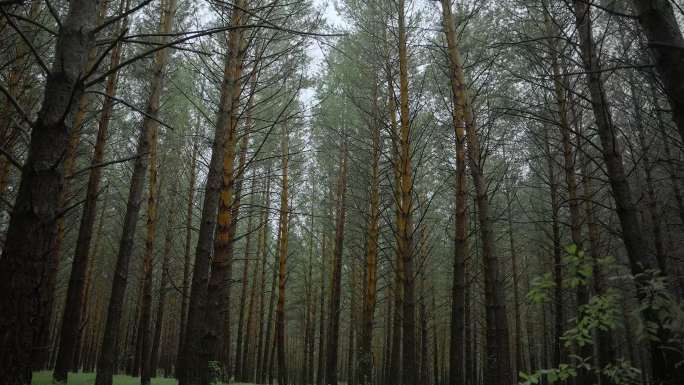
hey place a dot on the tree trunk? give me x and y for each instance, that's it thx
(365, 356)
(497, 368)
(310, 311)
(148, 260)
(604, 339)
(647, 165)
(559, 318)
(320, 374)
(73, 308)
(269, 347)
(659, 24)
(197, 347)
(424, 371)
(188, 244)
(664, 356)
(218, 311)
(239, 363)
(394, 377)
(89, 324)
(163, 283)
(405, 224)
(106, 363)
(24, 264)
(335, 287)
(560, 86)
(263, 255)
(247, 371)
(517, 338)
(456, 342)
(351, 340)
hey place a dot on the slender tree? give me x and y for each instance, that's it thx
(456, 342)
(333, 329)
(282, 245)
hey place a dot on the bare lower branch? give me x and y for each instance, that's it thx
(104, 164)
(134, 108)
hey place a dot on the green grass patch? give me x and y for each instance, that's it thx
(45, 378)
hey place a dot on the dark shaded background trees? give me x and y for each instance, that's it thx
(415, 192)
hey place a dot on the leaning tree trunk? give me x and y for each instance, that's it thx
(659, 23)
(665, 357)
(24, 264)
(107, 360)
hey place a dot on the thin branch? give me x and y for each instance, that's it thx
(159, 48)
(15, 104)
(11, 159)
(26, 40)
(33, 22)
(198, 34)
(134, 108)
(104, 54)
(104, 164)
(114, 19)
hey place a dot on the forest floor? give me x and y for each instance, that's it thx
(45, 378)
